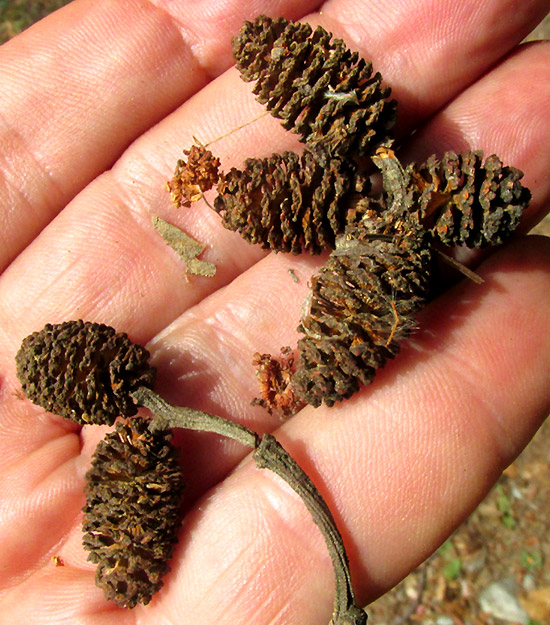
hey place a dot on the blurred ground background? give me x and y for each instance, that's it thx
(16, 15)
(495, 569)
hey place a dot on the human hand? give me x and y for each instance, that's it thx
(403, 461)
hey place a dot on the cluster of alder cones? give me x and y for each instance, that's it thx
(380, 270)
(85, 372)
(362, 302)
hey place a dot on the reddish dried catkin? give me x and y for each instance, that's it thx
(192, 177)
(275, 376)
(316, 85)
(466, 201)
(362, 303)
(290, 203)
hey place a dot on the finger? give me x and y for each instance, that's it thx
(492, 115)
(72, 103)
(401, 464)
(422, 446)
(429, 52)
(42, 498)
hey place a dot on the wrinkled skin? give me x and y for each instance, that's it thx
(98, 101)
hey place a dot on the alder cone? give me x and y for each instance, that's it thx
(466, 201)
(315, 85)
(83, 371)
(362, 303)
(290, 203)
(132, 512)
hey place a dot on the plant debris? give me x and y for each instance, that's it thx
(193, 177)
(275, 375)
(186, 247)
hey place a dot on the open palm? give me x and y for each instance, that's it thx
(97, 102)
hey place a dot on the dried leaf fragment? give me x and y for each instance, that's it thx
(83, 371)
(193, 177)
(132, 512)
(186, 247)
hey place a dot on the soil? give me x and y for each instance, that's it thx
(504, 539)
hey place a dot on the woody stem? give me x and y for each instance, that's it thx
(269, 454)
(168, 416)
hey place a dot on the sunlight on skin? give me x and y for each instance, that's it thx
(403, 461)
